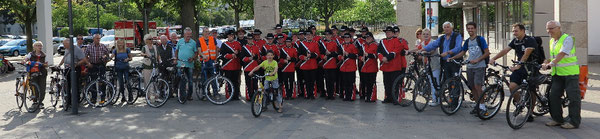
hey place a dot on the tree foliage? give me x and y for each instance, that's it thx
(369, 11)
(25, 13)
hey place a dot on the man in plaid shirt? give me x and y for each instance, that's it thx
(97, 54)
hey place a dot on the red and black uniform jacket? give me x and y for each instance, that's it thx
(370, 55)
(227, 52)
(250, 56)
(305, 48)
(273, 47)
(291, 64)
(392, 49)
(349, 61)
(359, 43)
(259, 42)
(330, 61)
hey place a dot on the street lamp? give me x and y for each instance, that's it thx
(73, 76)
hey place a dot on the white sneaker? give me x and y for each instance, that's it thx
(433, 104)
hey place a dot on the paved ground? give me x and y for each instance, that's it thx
(300, 119)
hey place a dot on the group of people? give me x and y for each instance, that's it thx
(304, 64)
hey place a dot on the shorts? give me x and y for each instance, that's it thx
(475, 76)
(519, 75)
(274, 84)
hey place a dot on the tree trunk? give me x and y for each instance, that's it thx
(326, 22)
(29, 33)
(237, 18)
(187, 8)
(147, 9)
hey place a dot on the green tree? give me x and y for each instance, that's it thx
(239, 6)
(145, 7)
(327, 8)
(25, 13)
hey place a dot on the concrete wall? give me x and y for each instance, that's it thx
(266, 15)
(594, 30)
(408, 19)
(573, 15)
(543, 12)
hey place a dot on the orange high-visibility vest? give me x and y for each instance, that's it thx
(209, 50)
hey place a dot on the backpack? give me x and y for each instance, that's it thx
(479, 42)
(539, 51)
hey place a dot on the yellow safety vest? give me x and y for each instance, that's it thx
(568, 64)
(209, 50)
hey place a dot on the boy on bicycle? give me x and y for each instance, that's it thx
(271, 67)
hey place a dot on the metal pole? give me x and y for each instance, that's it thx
(73, 76)
(430, 16)
(98, 16)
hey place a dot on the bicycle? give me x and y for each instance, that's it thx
(493, 95)
(218, 84)
(181, 82)
(452, 92)
(521, 98)
(422, 91)
(261, 99)
(405, 82)
(160, 92)
(102, 88)
(56, 85)
(30, 90)
(133, 85)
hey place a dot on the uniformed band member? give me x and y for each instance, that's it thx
(230, 53)
(348, 68)
(287, 60)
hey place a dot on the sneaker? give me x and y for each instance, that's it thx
(567, 126)
(530, 119)
(553, 123)
(484, 112)
(474, 111)
(433, 104)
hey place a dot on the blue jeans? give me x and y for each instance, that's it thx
(188, 72)
(436, 76)
(122, 77)
(208, 69)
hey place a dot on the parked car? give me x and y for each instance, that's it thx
(4, 41)
(61, 48)
(108, 41)
(15, 47)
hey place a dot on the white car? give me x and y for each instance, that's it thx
(108, 41)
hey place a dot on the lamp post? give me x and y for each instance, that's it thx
(73, 76)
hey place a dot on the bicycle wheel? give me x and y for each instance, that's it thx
(403, 87)
(492, 98)
(200, 87)
(219, 90)
(451, 95)
(182, 90)
(421, 94)
(99, 88)
(157, 93)
(54, 92)
(519, 108)
(31, 98)
(65, 98)
(19, 93)
(257, 103)
(277, 100)
(543, 92)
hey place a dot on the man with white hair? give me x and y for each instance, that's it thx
(185, 55)
(448, 45)
(165, 50)
(565, 76)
